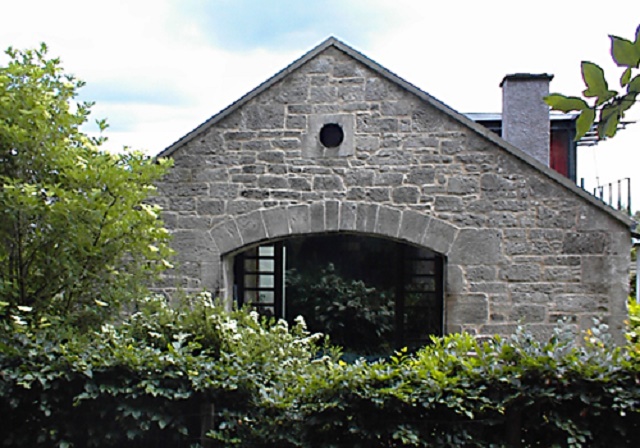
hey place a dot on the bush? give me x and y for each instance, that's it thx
(154, 379)
(358, 317)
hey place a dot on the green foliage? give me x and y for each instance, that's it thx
(611, 104)
(633, 332)
(145, 380)
(356, 316)
(77, 237)
(150, 381)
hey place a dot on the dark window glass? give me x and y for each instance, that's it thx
(370, 295)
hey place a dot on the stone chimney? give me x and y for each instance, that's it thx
(525, 116)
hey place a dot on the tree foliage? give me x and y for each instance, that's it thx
(76, 234)
(598, 102)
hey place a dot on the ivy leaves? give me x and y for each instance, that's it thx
(608, 107)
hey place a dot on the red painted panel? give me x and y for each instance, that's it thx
(559, 154)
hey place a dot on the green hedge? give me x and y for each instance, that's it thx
(166, 376)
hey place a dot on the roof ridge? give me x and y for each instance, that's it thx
(332, 41)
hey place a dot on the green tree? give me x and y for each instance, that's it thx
(598, 103)
(77, 236)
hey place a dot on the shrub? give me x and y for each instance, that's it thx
(155, 379)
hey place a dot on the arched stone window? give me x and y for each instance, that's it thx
(371, 295)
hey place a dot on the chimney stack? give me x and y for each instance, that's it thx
(525, 116)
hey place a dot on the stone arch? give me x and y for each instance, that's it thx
(406, 226)
(402, 303)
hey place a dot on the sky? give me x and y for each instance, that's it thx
(159, 68)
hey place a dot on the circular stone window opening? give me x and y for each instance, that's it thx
(331, 135)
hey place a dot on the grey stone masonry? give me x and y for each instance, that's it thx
(521, 244)
(525, 115)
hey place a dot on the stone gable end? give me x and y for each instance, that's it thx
(520, 247)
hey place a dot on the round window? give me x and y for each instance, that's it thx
(331, 135)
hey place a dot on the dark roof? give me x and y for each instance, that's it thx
(332, 42)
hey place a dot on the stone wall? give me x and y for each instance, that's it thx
(520, 245)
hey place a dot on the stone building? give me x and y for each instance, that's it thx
(336, 166)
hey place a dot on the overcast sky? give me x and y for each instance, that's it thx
(157, 69)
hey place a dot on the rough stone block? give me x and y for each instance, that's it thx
(498, 329)
(226, 237)
(413, 226)
(426, 119)
(492, 288)
(527, 272)
(421, 175)
(254, 193)
(351, 93)
(440, 236)
(367, 143)
(254, 169)
(462, 185)
(187, 222)
(584, 243)
(299, 183)
(555, 219)
(317, 217)
(209, 206)
(323, 183)
(332, 215)
(263, 116)
(468, 309)
(366, 217)
(378, 195)
(323, 94)
(256, 146)
(456, 284)
(529, 313)
(210, 274)
(247, 179)
(348, 213)
(619, 243)
(516, 248)
(495, 183)
(574, 303)
(182, 204)
(481, 273)
(592, 218)
(299, 219)
(405, 195)
(223, 190)
(212, 175)
(193, 245)
(388, 223)
(375, 90)
(190, 189)
(276, 222)
(270, 181)
(477, 246)
(296, 122)
(251, 227)
(396, 108)
(448, 204)
(360, 178)
(388, 179)
(272, 156)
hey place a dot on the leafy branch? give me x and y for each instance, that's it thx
(598, 101)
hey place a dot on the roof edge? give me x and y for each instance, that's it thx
(331, 41)
(434, 102)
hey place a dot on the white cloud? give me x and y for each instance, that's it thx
(458, 51)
